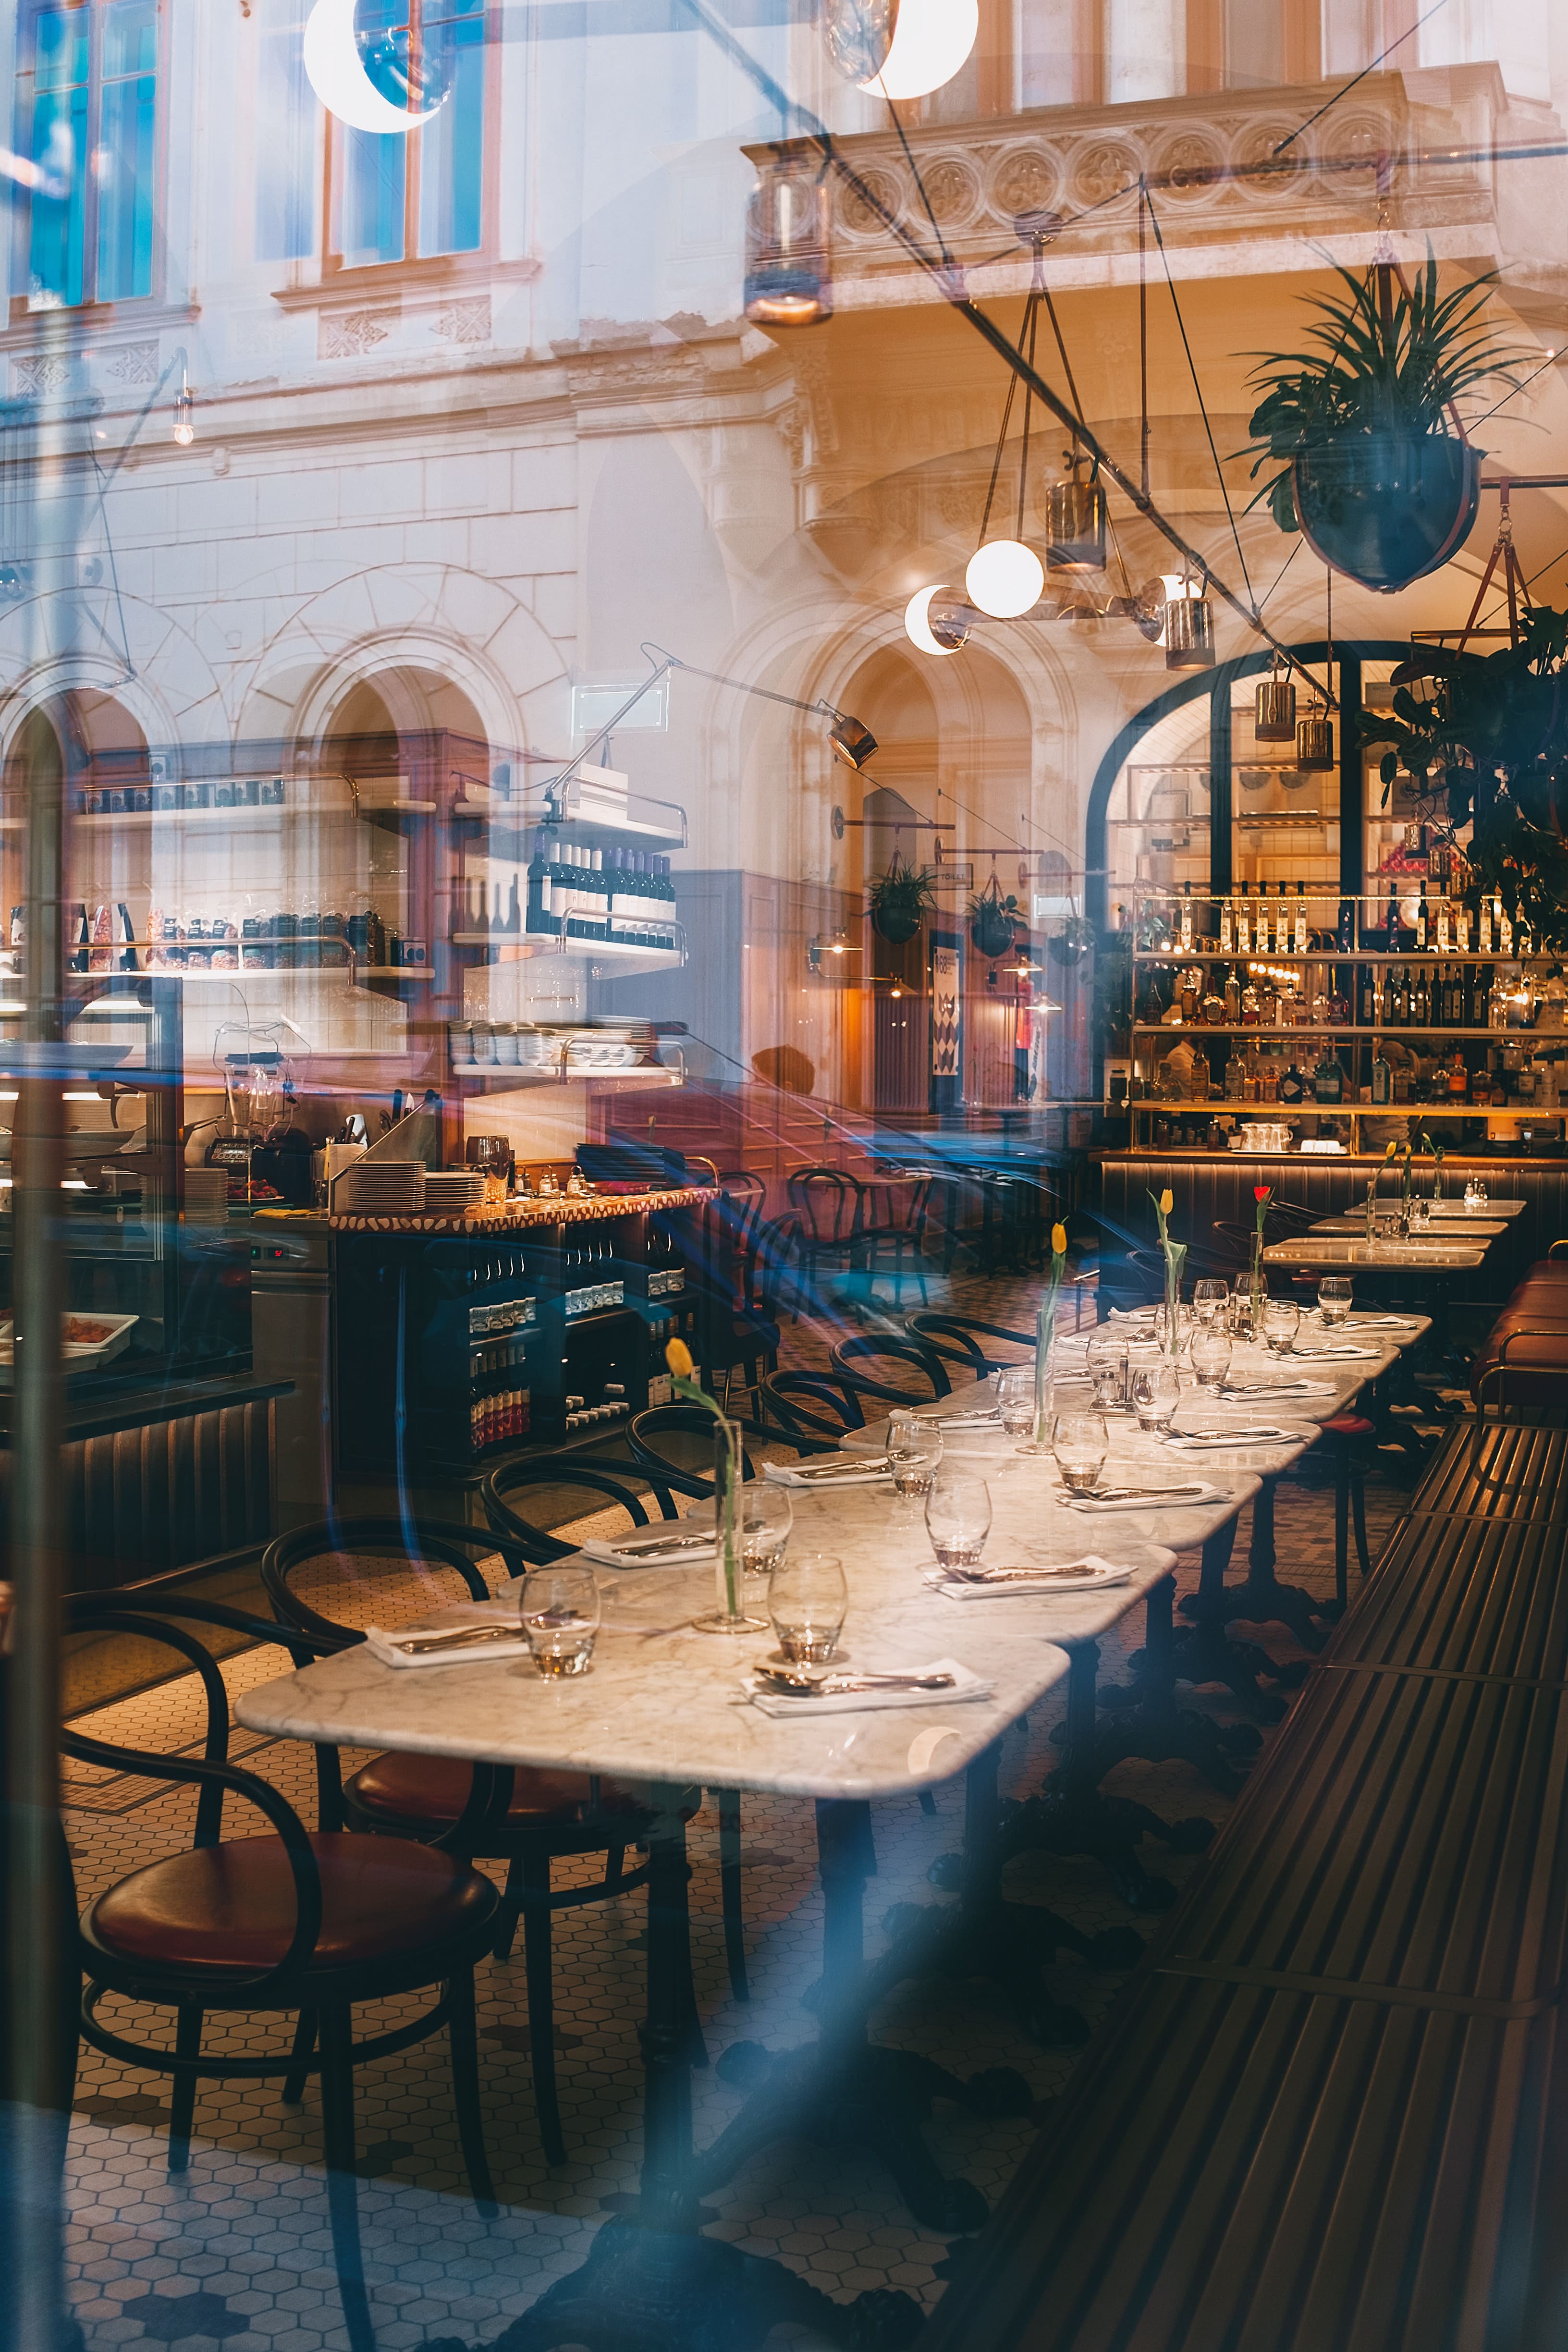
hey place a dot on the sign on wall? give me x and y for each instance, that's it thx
(946, 1019)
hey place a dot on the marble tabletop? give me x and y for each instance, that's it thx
(1436, 1256)
(665, 1703)
(1482, 1227)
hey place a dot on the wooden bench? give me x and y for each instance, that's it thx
(1327, 2114)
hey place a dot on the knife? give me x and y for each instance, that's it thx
(851, 1469)
(632, 1549)
(1126, 1493)
(468, 1637)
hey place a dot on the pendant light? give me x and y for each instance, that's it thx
(938, 622)
(789, 271)
(1006, 578)
(901, 48)
(1189, 625)
(1315, 735)
(1274, 721)
(1076, 523)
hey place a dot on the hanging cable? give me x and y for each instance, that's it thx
(1203, 410)
(1409, 34)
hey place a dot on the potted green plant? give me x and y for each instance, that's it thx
(1076, 939)
(1486, 738)
(1373, 468)
(900, 900)
(993, 920)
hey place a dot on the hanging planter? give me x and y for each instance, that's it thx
(900, 900)
(993, 920)
(1374, 466)
(1076, 939)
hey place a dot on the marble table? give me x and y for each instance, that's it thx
(1418, 1254)
(1447, 1229)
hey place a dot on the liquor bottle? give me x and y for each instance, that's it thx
(1244, 922)
(1232, 999)
(1366, 996)
(1299, 928)
(1235, 1074)
(1186, 918)
(1347, 927)
(1423, 1008)
(1282, 924)
(1484, 938)
(1421, 931)
(1458, 1076)
(1291, 1089)
(1339, 1002)
(1446, 927)
(1328, 1080)
(1382, 1078)
(1393, 920)
(1504, 930)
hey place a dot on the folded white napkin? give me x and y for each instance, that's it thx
(854, 1474)
(682, 1547)
(1258, 1433)
(1193, 1502)
(967, 1685)
(1087, 1575)
(382, 1643)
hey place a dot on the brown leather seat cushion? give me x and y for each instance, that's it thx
(435, 1789)
(232, 1906)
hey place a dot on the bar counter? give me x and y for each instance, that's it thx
(1219, 1185)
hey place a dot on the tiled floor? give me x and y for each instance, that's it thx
(238, 2251)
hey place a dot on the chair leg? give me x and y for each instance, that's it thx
(507, 1916)
(927, 1804)
(299, 2058)
(1358, 1511)
(1341, 1509)
(536, 1952)
(336, 2032)
(183, 2095)
(730, 1891)
(463, 2034)
(615, 1865)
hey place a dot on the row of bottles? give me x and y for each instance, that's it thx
(1511, 1074)
(501, 1418)
(618, 896)
(586, 1278)
(1395, 996)
(1429, 923)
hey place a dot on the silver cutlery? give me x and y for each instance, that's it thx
(1127, 1494)
(1076, 1574)
(789, 1683)
(851, 1469)
(468, 1637)
(635, 1550)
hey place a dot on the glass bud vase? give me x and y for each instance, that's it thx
(1044, 1339)
(1256, 1286)
(728, 1613)
(1175, 1258)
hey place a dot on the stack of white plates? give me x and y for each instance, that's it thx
(454, 1194)
(384, 1188)
(207, 1196)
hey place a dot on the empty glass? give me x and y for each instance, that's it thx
(1334, 1294)
(766, 1516)
(914, 1449)
(1015, 1400)
(1281, 1321)
(1211, 1355)
(1080, 1445)
(808, 1601)
(958, 1517)
(560, 1616)
(1156, 1392)
(1209, 1298)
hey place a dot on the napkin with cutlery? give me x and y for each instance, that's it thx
(984, 1583)
(1194, 1441)
(1383, 1322)
(1278, 1388)
(1337, 1355)
(846, 1471)
(1180, 1497)
(680, 1546)
(965, 1684)
(461, 1636)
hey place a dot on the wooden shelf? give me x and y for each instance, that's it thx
(1352, 1030)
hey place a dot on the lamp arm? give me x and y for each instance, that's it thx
(673, 661)
(602, 734)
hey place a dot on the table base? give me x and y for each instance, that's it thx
(1263, 1600)
(644, 2290)
(1143, 1719)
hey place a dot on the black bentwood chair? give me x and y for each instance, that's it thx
(523, 1815)
(301, 1920)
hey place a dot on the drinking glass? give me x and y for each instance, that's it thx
(1281, 1321)
(914, 1449)
(560, 1615)
(766, 1516)
(1209, 1297)
(1334, 1294)
(958, 1517)
(1211, 1355)
(1080, 1445)
(808, 1601)
(1106, 1362)
(1156, 1392)
(1015, 1400)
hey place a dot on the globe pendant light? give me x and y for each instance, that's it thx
(1275, 716)
(789, 268)
(1005, 579)
(934, 622)
(901, 48)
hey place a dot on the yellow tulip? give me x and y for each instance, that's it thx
(1059, 1240)
(679, 1357)
(1167, 1202)
(1390, 1150)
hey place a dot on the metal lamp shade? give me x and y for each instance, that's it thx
(1276, 719)
(1075, 527)
(1189, 633)
(789, 271)
(1315, 742)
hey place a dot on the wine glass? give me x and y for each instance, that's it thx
(1211, 1355)
(1015, 1400)
(808, 1601)
(1281, 1321)
(1334, 1295)
(1209, 1297)
(958, 1517)
(766, 1516)
(1080, 1445)
(914, 1450)
(1156, 1392)
(560, 1615)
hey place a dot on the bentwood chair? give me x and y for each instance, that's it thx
(300, 1920)
(952, 1337)
(909, 1362)
(359, 1570)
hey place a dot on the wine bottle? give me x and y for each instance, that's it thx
(1243, 922)
(1299, 932)
(1227, 926)
(1186, 918)
(1421, 920)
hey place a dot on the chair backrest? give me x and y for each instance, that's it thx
(333, 1578)
(166, 1622)
(810, 1404)
(830, 1204)
(953, 1338)
(675, 1442)
(744, 1204)
(904, 1356)
(545, 1481)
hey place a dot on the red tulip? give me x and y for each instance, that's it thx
(1262, 1191)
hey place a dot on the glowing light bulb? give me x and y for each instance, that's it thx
(932, 41)
(1005, 579)
(184, 431)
